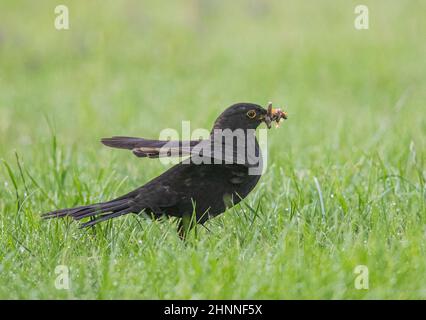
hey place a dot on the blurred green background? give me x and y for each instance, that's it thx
(356, 104)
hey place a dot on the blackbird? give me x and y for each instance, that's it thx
(217, 173)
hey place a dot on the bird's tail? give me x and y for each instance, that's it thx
(101, 211)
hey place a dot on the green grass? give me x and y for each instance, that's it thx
(357, 125)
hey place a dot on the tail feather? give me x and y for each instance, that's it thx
(104, 211)
(104, 217)
(99, 210)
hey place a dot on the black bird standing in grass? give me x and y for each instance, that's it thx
(191, 190)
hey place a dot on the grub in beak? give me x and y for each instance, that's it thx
(274, 115)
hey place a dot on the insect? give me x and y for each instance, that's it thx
(274, 115)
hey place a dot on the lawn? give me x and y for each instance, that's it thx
(345, 182)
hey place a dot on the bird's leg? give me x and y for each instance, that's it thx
(185, 225)
(180, 231)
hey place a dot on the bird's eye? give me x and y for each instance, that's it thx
(251, 114)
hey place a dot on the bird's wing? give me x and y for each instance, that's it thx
(200, 151)
(151, 148)
(219, 151)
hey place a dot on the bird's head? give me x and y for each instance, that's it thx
(248, 116)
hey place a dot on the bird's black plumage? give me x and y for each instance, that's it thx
(205, 189)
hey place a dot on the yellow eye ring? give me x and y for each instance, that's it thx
(251, 114)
